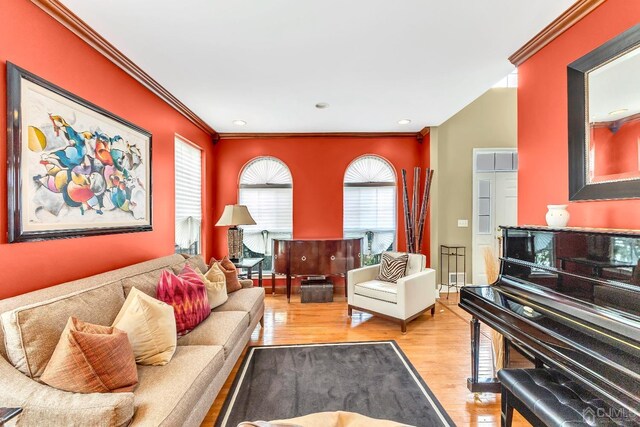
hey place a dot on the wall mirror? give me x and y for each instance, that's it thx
(604, 121)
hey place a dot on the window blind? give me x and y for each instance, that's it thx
(188, 197)
(271, 208)
(369, 208)
(266, 190)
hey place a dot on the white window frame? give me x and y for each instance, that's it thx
(267, 186)
(350, 232)
(200, 240)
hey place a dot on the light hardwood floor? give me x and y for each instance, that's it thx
(437, 346)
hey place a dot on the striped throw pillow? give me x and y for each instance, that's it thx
(187, 294)
(392, 268)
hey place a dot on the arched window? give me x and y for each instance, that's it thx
(266, 188)
(370, 205)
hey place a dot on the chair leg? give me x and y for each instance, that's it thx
(507, 409)
(349, 311)
(403, 326)
(433, 310)
(262, 321)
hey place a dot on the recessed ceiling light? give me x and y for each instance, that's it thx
(621, 110)
(322, 105)
(404, 122)
(239, 122)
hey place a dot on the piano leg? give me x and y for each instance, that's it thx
(507, 351)
(475, 349)
(475, 383)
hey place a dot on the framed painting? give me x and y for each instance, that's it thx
(74, 169)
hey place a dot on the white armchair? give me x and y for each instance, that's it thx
(400, 302)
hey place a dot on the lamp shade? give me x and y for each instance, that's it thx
(235, 215)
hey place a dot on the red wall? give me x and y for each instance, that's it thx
(542, 122)
(33, 40)
(317, 165)
(616, 153)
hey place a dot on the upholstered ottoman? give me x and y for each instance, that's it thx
(545, 397)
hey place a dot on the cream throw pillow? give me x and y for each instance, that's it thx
(216, 284)
(151, 327)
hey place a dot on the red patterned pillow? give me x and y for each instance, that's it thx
(187, 294)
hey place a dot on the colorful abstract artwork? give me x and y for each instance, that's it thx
(75, 169)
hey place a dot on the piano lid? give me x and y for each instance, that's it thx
(597, 267)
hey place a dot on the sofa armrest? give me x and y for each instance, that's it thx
(246, 283)
(417, 292)
(360, 275)
(42, 404)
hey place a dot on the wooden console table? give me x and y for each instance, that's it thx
(315, 257)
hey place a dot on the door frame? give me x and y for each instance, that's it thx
(474, 195)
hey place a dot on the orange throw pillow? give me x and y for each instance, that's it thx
(91, 359)
(230, 274)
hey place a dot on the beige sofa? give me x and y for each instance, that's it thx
(179, 393)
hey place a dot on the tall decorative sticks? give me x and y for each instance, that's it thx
(407, 212)
(425, 204)
(414, 221)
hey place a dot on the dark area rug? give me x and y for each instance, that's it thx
(371, 378)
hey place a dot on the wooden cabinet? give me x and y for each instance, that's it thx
(325, 257)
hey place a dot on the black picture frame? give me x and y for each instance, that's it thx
(16, 227)
(579, 187)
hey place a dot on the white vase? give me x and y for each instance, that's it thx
(557, 216)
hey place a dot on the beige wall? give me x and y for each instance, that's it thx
(489, 121)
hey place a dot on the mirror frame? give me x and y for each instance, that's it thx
(577, 91)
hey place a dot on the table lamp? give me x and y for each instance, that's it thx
(232, 216)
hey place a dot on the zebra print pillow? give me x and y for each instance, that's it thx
(392, 268)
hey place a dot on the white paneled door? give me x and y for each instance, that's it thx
(495, 203)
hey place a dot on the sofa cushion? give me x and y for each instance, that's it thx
(187, 295)
(223, 328)
(392, 267)
(377, 289)
(145, 282)
(198, 263)
(417, 262)
(91, 359)
(150, 326)
(216, 285)
(230, 274)
(166, 393)
(249, 300)
(46, 406)
(33, 331)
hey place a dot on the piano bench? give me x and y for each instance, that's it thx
(544, 397)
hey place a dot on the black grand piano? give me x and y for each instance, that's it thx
(568, 299)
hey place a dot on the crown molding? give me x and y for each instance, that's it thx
(423, 133)
(223, 135)
(575, 13)
(80, 28)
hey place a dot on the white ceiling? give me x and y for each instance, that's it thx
(613, 88)
(269, 62)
